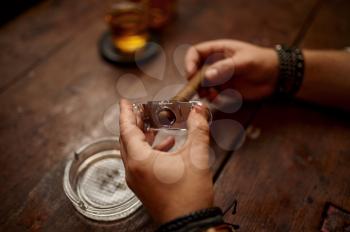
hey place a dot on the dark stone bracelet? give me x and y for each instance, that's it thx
(291, 70)
(196, 221)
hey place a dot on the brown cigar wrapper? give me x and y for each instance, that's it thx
(190, 89)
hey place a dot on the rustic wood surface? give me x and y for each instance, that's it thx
(57, 93)
(284, 179)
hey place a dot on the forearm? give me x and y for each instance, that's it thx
(327, 78)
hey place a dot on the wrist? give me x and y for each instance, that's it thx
(271, 69)
(208, 219)
(178, 210)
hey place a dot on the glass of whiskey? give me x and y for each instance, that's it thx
(128, 23)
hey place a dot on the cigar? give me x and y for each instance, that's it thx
(185, 94)
(190, 89)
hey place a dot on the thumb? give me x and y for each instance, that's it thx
(220, 72)
(198, 127)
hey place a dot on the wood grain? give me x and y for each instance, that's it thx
(60, 102)
(330, 30)
(40, 32)
(284, 178)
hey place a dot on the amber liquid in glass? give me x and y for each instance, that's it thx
(128, 24)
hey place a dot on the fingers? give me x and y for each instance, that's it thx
(199, 53)
(198, 128)
(192, 59)
(127, 122)
(220, 72)
(166, 144)
(150, 136)
(130, 134)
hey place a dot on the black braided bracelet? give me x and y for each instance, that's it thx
(196, 221)
(291, 70)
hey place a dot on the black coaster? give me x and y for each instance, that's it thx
(111, 54)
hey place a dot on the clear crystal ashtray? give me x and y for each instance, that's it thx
(94, 181)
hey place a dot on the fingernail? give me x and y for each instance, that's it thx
(210, 73)
(202, 110)
(123, 102)
(198, 109)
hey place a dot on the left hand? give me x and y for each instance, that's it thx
(169, 184)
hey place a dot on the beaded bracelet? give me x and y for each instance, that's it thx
(196, 221)
(291, 70)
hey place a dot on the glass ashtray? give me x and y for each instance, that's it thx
(94, 181)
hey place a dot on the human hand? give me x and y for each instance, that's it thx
(169, 184)
(249, 69)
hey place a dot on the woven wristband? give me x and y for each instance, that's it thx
(291, 71)
(196, 221)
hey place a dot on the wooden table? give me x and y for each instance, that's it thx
(57, 94)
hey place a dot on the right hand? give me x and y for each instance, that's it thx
(247, 68)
